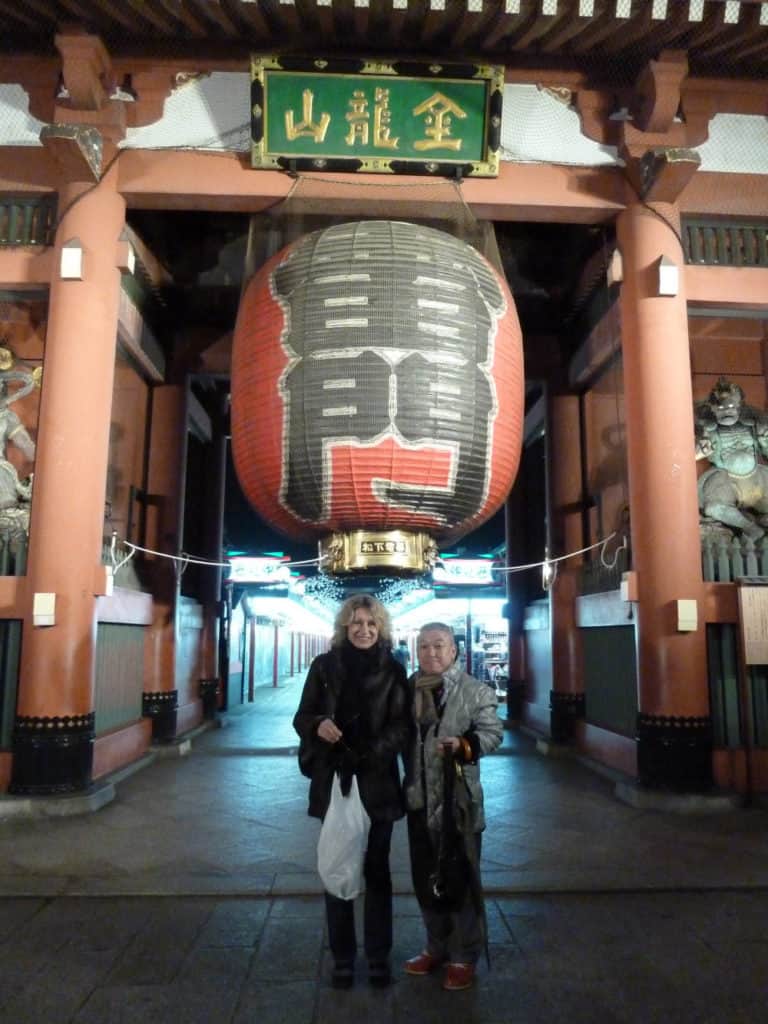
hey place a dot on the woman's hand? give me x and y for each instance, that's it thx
(329, 731)
(448, 744)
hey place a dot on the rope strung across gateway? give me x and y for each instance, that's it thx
(184, 559)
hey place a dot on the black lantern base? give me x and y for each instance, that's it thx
(52, 756)
(674, 753)
(162, 708)
(564, 710)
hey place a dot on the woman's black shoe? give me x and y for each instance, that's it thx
(343, 975)
(379, 974)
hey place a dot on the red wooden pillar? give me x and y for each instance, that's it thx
(564, 468)
(674, 725)
(216, 461)
(54, 728)
(515, 610)
(167, 457)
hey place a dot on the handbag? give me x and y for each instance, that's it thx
(306, 756)
(343, 842)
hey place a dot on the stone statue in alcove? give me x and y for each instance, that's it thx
(15, 493)
(733, 436)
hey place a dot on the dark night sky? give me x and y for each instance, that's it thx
(245, 530)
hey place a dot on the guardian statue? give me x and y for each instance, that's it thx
(733, 436)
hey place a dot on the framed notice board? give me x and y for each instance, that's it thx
(753, 619)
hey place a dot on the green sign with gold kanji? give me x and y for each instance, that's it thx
(403, 118)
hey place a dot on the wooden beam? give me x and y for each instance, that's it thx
(86, 68)
(194, 25)
(225, 181)
(25, 267)
(27, 169)
(150, 13)
(75, 149)
(734, 96)
(731, 195)
(743, 288)
(657, 91)
(662, 173)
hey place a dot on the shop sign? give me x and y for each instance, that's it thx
(399, 118)
(464, 572)
(258, 570)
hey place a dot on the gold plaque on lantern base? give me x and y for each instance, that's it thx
(378, 550)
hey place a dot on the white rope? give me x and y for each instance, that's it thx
(184, 558)
(571, 554)
(621, 547)
(116, 566)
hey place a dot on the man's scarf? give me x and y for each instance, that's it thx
(424, 698)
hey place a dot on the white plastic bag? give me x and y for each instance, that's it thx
(343, 842)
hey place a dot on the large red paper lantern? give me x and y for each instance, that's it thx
(377, 392)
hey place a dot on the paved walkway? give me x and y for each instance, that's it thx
(193, 897)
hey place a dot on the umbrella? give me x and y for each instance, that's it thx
(458, 866)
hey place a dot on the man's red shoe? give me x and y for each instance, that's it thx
(458, 977)
(422, 964)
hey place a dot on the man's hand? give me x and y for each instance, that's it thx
(448, 744)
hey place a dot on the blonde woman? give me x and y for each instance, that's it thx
(354, 718)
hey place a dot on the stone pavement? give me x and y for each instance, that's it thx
(192, 897)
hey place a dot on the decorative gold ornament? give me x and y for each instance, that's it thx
(37, 376)
(377, 67)
(561, 93)
(363, 550)
(6, 359)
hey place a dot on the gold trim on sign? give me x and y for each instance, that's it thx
(377, 67)
(402, 551)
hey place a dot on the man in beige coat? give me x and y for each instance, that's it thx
(454, 715)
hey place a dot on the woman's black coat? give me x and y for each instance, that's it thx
(384, 699)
